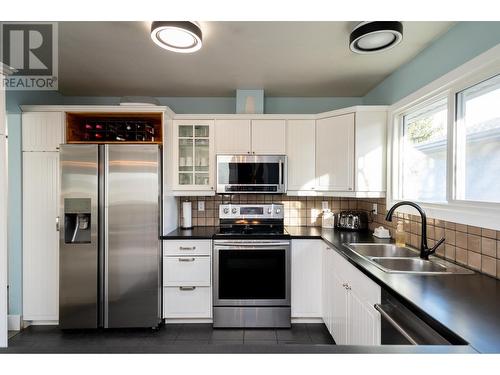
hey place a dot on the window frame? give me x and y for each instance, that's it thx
(477, 70)
(401, 119)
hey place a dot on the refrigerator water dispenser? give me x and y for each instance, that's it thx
(77, 220)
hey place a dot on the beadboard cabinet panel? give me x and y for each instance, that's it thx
(233, 136)
(300, 150)
(268, 137)
(335, 153)
(306, 278)
(40, 237)
(42, 131)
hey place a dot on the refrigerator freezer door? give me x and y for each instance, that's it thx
(132, 246)
(78, 292)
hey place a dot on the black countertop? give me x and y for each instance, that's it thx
(197, 233)
(468, 305)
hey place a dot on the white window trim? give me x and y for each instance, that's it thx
(485, 215)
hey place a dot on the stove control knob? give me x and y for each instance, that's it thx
(269, 210)
(278, 210)
(234, 210)
(226, 210)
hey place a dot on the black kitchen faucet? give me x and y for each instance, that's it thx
(424, 249)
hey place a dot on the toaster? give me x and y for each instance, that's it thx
(351, 220)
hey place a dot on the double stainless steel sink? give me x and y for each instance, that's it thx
(394, 259)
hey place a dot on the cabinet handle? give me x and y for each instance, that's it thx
(187, 248)
(57, 223)
(187, 288)
(186, 259)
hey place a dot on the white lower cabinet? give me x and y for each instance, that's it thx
(187, 281)
(306, 278)
(40, 236)
(186, 271)
(348, 302)
(187, 302)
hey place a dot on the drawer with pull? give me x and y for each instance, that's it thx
(187, 247)
(187, 302)
(186, 270)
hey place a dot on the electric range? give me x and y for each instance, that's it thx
(251, 267)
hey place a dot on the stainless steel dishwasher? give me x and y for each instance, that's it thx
(401, 326)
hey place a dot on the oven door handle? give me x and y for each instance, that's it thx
(250, 247)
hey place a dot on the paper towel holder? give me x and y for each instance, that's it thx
(186, 215)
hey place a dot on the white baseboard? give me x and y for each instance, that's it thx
(187, 320)
(14, 322)
(307, 320)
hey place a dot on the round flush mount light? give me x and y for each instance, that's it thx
(375, 36)
(177, 36)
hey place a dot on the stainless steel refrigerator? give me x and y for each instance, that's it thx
(110, 252)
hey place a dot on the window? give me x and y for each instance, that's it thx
(423, 152)
(445, 145)
(478, 142)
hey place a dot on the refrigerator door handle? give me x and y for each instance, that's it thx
(106, 235)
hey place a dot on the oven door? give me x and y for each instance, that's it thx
(251, 273)
(251, 174)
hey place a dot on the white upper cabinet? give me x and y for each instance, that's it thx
(370, 159)
(268, 137)
(335, 153)
(42, 131)
(233, 136)
(300, 149)
(238, 136)
(193, 155)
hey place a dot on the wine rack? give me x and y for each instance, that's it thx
(113, 128)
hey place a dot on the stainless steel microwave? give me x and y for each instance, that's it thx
(251, 174)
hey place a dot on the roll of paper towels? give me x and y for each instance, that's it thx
(186, 215)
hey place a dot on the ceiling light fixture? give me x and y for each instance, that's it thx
(375, 36)
(177, 36)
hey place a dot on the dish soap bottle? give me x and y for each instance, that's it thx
(400, 235)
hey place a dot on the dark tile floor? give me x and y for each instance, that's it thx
(186, 338)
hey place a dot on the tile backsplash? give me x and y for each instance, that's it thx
(301, 211)
(473, 247)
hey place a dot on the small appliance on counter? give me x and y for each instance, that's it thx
(328, 219)
(351, 220)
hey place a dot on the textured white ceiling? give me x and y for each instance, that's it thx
(283, 58)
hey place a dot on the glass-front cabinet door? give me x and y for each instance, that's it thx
(194, 155)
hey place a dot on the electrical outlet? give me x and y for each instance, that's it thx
(324, 205)
(201, 205)
(374, 209)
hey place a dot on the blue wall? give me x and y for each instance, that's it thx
(458, 45)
